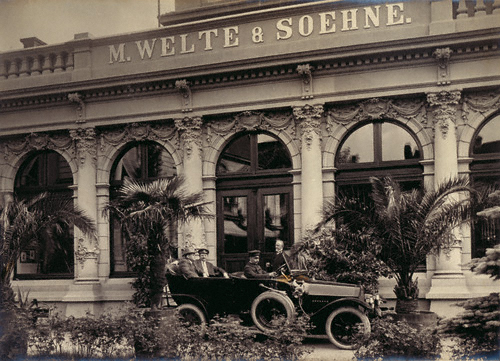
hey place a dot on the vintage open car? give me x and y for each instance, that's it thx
(338, 310)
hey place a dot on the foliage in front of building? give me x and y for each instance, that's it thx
(131, 332)
(390, 339)
(406, 225)
(343, 256)
(477, 329)
(489, 264)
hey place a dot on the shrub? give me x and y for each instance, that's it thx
(398, 339)
(477, 329)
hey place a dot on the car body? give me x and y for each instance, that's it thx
(337, 310)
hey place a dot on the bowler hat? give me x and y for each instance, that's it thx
(188, 251)
(203, 250)
(254, 253)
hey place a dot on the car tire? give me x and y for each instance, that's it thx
(269, 305)
(344, 319)
(191, 315)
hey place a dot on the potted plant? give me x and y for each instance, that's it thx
(407, 226)
(146, 211)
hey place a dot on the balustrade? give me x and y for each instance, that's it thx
(472, 8)
(33, 64)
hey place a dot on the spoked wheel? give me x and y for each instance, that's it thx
(192, 315)
(268, 308)
(344, 325)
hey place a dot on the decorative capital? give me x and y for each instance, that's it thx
(187, 100)
(310, 121)
(189, 129)
(443, 56)
(305, 71)
(444, 105)
(76, 98)
(85, 141)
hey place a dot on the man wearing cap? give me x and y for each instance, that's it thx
(186, 265)
(253, 269)
(205, 268)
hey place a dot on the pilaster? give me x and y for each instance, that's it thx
(309, 119)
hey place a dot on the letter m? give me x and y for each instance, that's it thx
(117, 55)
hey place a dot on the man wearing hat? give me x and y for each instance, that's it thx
(205, 268)
(186, 265)
(253, 269)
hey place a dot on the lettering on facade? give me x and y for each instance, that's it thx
(320, 24)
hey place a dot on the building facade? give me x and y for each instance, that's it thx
(271, 109)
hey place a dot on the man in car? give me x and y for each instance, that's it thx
(279, 256)
(253, 269)
(186, 265)
(205, 268)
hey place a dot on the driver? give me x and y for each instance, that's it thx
(253, 269)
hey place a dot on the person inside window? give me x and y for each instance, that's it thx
(205, 268)
(253, 269)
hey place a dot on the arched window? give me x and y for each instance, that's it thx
(254, 198)
(143, 161)
(377, 149)
(485, 170)
(46, 171)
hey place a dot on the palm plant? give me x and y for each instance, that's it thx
(40, 220)
(147, 210)
(408, 226)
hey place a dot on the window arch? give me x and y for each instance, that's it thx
(254, 198)
(144, 161)
(485, 171)
(46, 171)
(377, 149)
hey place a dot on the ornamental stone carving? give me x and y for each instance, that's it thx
(480, 102)
(377, 108)
(37, 141)
(83, 253)
(187, 100)
(85, 143)
(443, 56)
(138, 132)
(305, 71)
(309, 118)
(444, 108)
(80, 109)
(251, 120)
(189, 129)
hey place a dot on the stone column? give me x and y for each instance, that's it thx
(309, 118)
(448, 280)
(86, 249)
(189, 129)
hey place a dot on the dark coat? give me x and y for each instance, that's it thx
(278, 261)
(254, 271)
(187, 268)
(213, 271)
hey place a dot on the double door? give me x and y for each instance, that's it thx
(252, 219)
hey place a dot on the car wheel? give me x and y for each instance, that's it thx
(344, 325)
(268, 308)
(190, 315)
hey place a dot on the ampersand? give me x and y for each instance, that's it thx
(257, 35)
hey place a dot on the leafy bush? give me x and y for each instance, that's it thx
(343, 256)
(398, 339)
(477, 330)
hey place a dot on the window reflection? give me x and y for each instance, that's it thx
(236, 157)
(271, 153)
(275, 220)
(235, 224)
(488, 139)
(358, 148)
(398, 144)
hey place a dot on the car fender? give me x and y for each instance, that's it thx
(328, 308)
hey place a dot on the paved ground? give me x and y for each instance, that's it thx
(323, 350)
